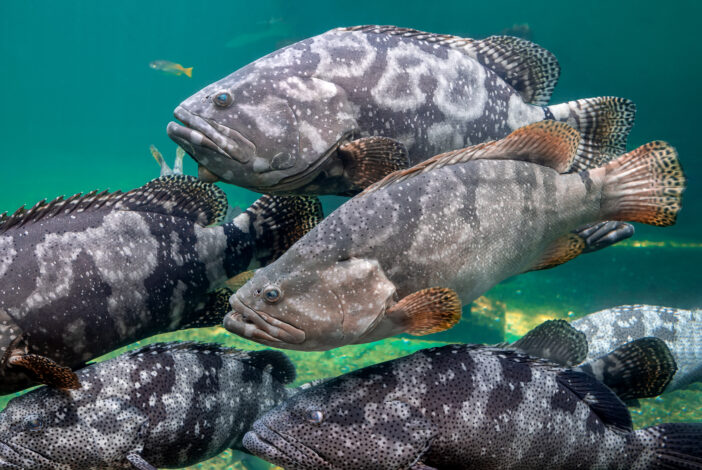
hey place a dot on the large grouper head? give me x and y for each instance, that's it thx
(358, 420)
(297, 304)
(269, 127)
(56, 429)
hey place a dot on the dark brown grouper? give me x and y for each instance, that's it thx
(165, 405)
(467, 407)
(336, 112)
(82, 276)
(465, 221)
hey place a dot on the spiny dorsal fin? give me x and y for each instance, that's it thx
(176, 195)
(277, 363)
(530, 69)
(548, 143)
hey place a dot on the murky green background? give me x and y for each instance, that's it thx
(79, 107)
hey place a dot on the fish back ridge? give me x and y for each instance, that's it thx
(530, 69)
(175, 195)
(274, 362)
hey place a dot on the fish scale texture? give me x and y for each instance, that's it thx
(173, 404)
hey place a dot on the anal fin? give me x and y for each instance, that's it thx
(555, 340)
(427, 311)
(603, 234)
(370, 159)
(562, 250)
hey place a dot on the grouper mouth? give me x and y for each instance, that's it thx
(259, 326)
(11, 459)
(274, 447)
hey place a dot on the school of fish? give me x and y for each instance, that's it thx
(461, 174)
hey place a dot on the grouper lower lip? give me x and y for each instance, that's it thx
(274, 447)
(10, 459)
(249, 323)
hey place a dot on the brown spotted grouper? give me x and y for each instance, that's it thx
(386, 261)
(82, 276)
(336, 112)
(467, 407)
(165, 405)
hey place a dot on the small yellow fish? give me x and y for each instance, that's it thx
(171, 67)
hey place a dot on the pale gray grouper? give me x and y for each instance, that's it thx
(336, 112)
(82, 276)
(165, 405)
(466, 407)
(680, 329)
(381, 264)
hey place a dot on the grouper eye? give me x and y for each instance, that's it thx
(315, 416)
(33, 423)
(222, 99)
(272, 294)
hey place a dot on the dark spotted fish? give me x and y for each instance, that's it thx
(466, 407)
(680, 329)
(387, 261)
(333, 113)
(82, 276)
(165, 405)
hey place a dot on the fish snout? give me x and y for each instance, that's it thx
(259, 326)
(270, 445)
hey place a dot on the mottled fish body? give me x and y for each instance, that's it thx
(82, 276)
(165, 405)
(680, 329)
(466, 407)
(462, 221)
(336, 112)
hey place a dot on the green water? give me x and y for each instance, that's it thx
(80, 106)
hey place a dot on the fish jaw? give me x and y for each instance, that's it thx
(12, 458)
(264, 442)
(261, 327)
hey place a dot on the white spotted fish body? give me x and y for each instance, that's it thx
(170, 405)
(465, 407)
(84, 276)
(303, 119)
(680, 329)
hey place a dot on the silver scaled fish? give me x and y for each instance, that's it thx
(389, 260)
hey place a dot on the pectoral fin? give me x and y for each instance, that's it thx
(46, 371)
(370, 159)
(562, 249)
(239, 280)
(216, 306)
(138, 462)
(427, 311)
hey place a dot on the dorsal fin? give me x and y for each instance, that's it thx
(549, 143)
(555, 340)
(176, 195)
(530, 69)
(275, 362)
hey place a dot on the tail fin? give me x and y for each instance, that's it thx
(604, 124)
(669, 446)
(278, 222)
(188, 71)
(639, 369)
(644, 185)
